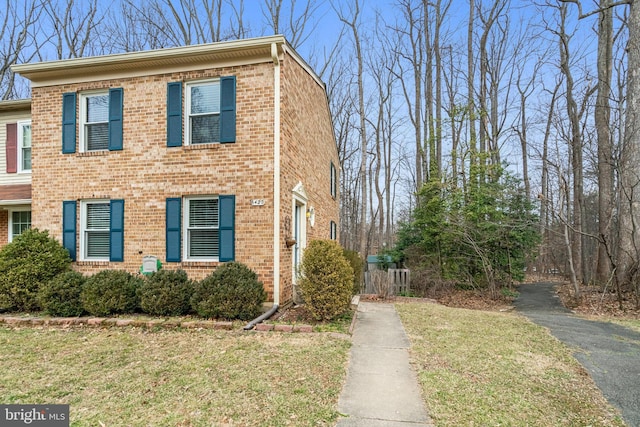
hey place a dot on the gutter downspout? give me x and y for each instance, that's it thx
(276, 191)
(276, 174)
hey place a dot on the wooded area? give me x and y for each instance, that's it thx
(477, 138)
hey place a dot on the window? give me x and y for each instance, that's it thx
(200, 228)
(19, 221)
(208, 112)
(94, 113)
(333, 181)
(101, 120)
(24, 146)
(203, 112)
(95, 230)
(333, 231)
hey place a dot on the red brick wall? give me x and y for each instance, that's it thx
(4, 227)
(146, 172)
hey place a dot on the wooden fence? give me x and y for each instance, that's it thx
(396, 282)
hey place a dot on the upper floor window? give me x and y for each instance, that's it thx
(333, 180)
(100, 117)
(24, 146)
(207, 114)
(203, 112)
(94, 125)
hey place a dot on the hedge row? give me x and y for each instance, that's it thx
(35, 274)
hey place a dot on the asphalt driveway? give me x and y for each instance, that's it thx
(609, 352)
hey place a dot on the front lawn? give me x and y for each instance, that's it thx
(481, 368)
(132, 377)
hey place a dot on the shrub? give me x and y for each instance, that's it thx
(357, 264)
(29, 261)
(110, 292)
(60, 296)
(232, 291)
(327, 280)
(166, 293)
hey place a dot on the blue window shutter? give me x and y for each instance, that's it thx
(69, 209)
(116, 231)
(174, 114)
(227, 109)
(115, 118)
(69, 123)
(227, 208)
(173, 224)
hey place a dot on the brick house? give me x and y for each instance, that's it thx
(15, 168)
(197, 155)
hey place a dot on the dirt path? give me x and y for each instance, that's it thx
(609, 352)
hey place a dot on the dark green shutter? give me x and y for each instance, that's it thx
(174, 114)
(115, 119)
(116, 231)
(227, 208)
(227, 109)
(173, 225)
(69, 123)
(69, 209)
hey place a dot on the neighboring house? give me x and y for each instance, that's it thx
(15, 169)
(197, 155)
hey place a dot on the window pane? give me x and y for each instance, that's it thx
(205, 98)
(97, 244)
(203, 243)
(26, 136)
(203, 213)
(98, 216)
(26, 158)
(98, 108)
(97, 136)
(205, 129)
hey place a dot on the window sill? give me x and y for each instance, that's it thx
(93, 263)
(210, 146)
(92, 153)
(203, 263)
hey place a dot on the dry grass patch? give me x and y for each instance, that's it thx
(176, 377)
(489, 369)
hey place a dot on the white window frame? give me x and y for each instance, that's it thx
(21, 125)
(333, 186)
(186, 228)
(187, 108)
(83, 229)
(83, 115)
(10, 220)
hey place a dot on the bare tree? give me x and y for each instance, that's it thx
(298, 26)
(76, 27)
(18, 42)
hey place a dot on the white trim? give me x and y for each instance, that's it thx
(82, 111)
(277, 244)
(10, 219)
(185, 228)
(21, 124)
(83, 228)
(187, 106)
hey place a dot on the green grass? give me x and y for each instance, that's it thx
(498, 369)
(176, 377)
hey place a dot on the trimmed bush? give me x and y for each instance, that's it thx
(327, 280)
(232, 291)
(29, 261)
(110, 292)
(60, 296)
(166, 293)
(357, 264)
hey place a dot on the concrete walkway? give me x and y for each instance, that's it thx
(381, 388)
